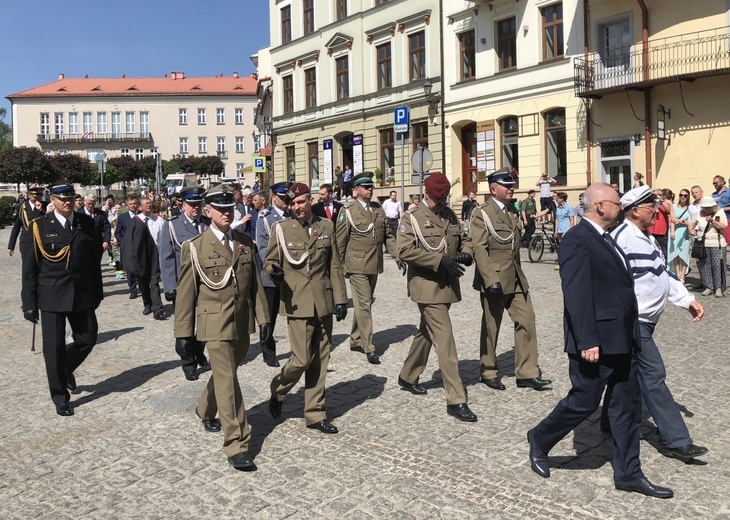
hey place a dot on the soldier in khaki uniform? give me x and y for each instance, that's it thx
(362, 229)
(433, 244)
(303, 259)
(218, 293)
(495, 232)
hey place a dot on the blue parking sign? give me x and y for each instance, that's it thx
(400, 124)
(259, 164)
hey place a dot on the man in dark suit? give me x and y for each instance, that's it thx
(123, 222)
(601, 332)
(63, 280)
(245, 215)
(28, 211)
(101, 223)
(326, 207)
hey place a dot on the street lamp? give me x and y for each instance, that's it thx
(432, 104)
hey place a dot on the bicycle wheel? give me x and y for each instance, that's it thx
(535, 249)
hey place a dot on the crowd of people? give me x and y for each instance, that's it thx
(230, 257)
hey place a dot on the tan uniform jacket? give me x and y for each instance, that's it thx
(496, 262)
(225, 314)
(316, 284)
(363, 253)
(426, 283)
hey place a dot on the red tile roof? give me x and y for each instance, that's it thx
(175, 84)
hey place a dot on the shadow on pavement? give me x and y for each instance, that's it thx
(108, 335)
(393, 335)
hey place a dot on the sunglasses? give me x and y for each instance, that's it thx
(684, 194)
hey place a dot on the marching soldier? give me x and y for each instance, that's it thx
(495, 232)
(218, 293)
(433, 244)
(276, 212)
(30, 210)
(62, 279)
(362, 229)
(303, 259)
(189, 224)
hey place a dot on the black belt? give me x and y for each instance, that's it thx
(394, 218)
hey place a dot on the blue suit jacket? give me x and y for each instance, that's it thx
(598, 291)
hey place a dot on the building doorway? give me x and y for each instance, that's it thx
(616, 163)
(469, 176)
(346, 146)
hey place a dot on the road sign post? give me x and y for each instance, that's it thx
(401, 126)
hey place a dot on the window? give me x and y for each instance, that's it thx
(73, 122)
(130, 122)
(555, 145)
(343, 78)
(385, 75)
(139, 153)
(288, 92)
(220, 116)
(286, 24)
(387, 155)
(116, 124)
(124, 152)
(614, 42)
(63, 151)
(45, 123)
(507, 43)
(240, 145)
(101, 122)
(88, 122)
(341, 6)
(182, 116)
(308, 16)
(58, 120)
(238, 116)
(144, 123)
(417, 55)
(291, 165)
(313, 163)
(220, 147)
(202, 145)
(552, 32)
(467, 52)
(202, 117)
(420, 136)
(183, 145)
(509, 132)
(310, 81)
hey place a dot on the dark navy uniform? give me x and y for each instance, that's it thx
(27, 213)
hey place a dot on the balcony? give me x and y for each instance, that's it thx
(683, 57)
(222, 154)
(92, 137)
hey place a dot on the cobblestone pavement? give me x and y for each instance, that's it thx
(135, 448)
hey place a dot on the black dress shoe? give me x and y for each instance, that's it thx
(324, 426)
(643, 486)
(538, 458)
(272, 362)
(373, 358)
(461, 412)
(534, 382)
(495, 383)
(70, 381)
(133, 295)
(147, 310)
(191, 376)
(202, 362)
(64, 409)
(275, 407)
(242, 462)
(415, 388)
(684, 453)
(159, 314)
(209, 425)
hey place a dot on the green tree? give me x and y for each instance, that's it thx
(111, 175)
(6, 132)
(25, 165)
(72, 167)
(127, 168)
(169, 167)
(209, 165)
(148, 165)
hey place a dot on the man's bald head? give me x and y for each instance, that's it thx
(601, 204)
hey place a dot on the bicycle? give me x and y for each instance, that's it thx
(536, 247)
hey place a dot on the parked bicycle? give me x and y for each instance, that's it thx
(543, 239)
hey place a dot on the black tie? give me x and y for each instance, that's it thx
(195, 225)
(68, 225)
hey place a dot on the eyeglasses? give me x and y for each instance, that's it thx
(653, 207)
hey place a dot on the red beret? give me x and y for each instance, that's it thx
(296, 190)
(437, 185)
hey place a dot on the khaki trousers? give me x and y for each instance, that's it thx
(222, 394)
(519, 307)
(310, 340)
(363, 288)
(435, 329)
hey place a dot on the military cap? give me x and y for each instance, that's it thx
(364, 179)
(63, 191)
(280, 188)
(637, 196)
(437, 185)
(192, 194)
(220, 197)
(296, 190)
(504, 177)
(36, 190)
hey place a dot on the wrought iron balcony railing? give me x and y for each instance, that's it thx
(93, 137)
(222, 154)
(685, 56)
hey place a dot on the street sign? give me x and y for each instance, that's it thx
(259, 164)
(400, 124)
(422, 160)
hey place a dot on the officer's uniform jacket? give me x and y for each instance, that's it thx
(225, 313)
(313, 277)
(423, 238)
(360, 238)
(175, 231)
(263, 235)
(27, 213)
(497, 257)
(61, 271)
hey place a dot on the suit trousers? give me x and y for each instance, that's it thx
(363, 288)
(619, 373)
(310, 340)
(60, 358)
(519, 307)
(222, 394)
(435, 329)
(273, 299)
(149, 286)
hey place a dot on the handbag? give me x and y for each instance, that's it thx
(698, 249)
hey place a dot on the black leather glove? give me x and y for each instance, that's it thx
(495, 290)
(340, 311)
(171, 295)
(185, 347)
(31, 315)
(464, 258)
(451, 266)
(264, 333)
(402, 266)
(277, 275)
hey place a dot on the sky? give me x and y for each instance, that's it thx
(41, 39)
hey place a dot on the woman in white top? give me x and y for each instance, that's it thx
(710, 227)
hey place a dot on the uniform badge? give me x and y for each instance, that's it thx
(240, 249)
(315, 233)
(429, 224)
(402, 229)
(341, 217)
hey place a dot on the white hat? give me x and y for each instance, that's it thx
(708, 202)
(637, 196)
